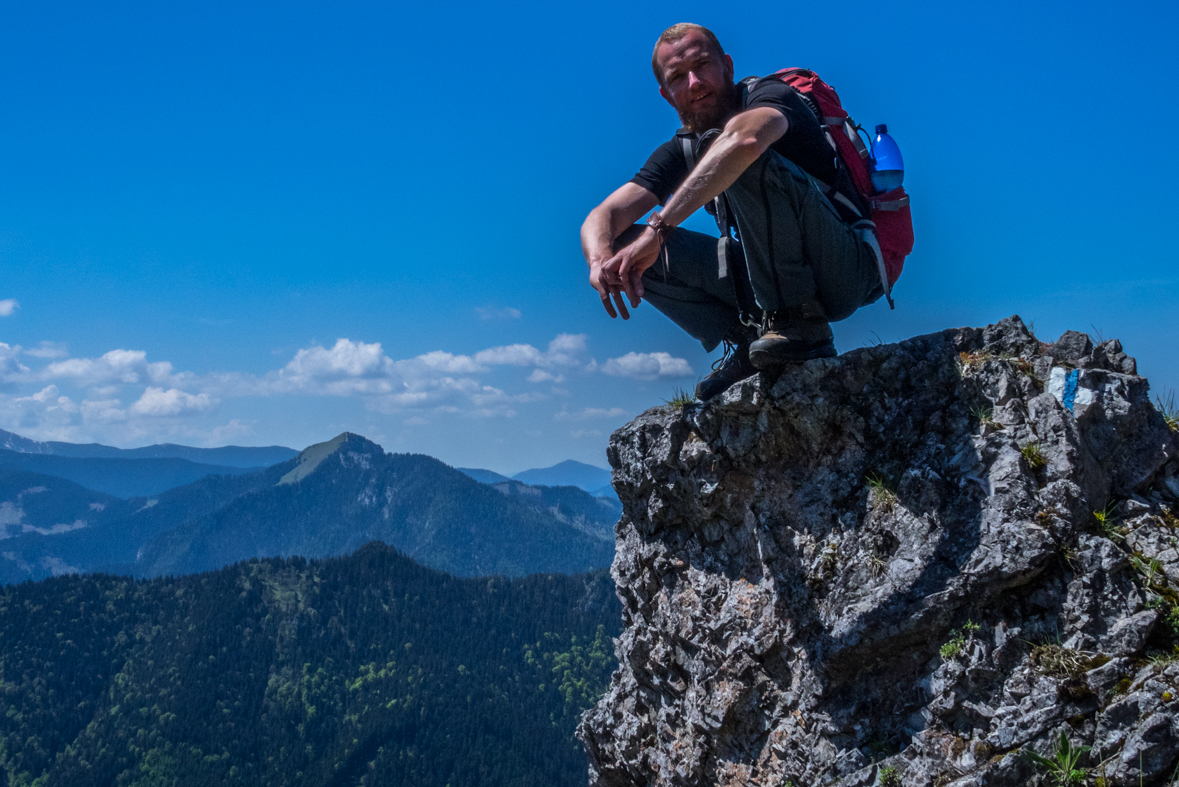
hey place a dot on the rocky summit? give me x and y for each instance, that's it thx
(920, 564)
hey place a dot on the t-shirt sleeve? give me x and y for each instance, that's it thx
(664, 171)
(772, 92)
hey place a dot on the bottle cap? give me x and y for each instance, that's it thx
(882, 128)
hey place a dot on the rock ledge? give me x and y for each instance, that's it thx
(899, 566)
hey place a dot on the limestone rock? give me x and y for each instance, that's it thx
(891, 560)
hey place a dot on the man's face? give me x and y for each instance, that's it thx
(698, 82)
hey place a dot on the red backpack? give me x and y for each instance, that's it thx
(888, 211)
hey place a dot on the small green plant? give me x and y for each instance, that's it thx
(958, 637)
(1168, 612)
(680, 398)
(830, 557)
(1021, 364)
(1107, 521)
(1057, 661)
(890, 776)
(1168, 518)
(970, 360)
(952, 648)
(1063, 767)
(876, 564)
(1169, 410)
(883, 497)
(1150, 571)
(985, 416)
(1161, 659)
(1033, 454)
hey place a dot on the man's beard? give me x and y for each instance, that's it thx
(712, 116)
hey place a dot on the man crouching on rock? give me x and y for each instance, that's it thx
(803, 265)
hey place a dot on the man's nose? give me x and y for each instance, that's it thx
(693, 80)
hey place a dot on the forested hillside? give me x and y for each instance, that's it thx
(361, 670)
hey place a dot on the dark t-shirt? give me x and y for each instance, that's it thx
(804, 142)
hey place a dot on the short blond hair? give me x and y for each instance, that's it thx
(675, 33)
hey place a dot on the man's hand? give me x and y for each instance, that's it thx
(625, 269)
(601, 234)
(598, 280)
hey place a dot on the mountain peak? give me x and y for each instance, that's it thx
(311, 456)
(887, 546)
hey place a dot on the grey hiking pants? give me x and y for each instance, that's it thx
(796, 247)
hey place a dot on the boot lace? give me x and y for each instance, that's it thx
(730, 348)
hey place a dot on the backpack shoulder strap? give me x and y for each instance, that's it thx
(688, 144)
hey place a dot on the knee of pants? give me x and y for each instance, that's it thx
(844, 303)
(840, 305)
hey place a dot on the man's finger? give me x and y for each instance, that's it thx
(637, 285)
(610, 269)
(621, 305)
(609, 306)
(628, 284)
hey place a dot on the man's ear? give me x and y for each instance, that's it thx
(729, 65)
(663, 92)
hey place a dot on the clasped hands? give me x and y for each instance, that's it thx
(623, 273)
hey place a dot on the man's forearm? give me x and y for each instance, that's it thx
(606, 222)
(597, 235)
(745, 138)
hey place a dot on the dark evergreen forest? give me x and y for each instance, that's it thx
(361, 670)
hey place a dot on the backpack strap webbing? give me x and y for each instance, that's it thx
(729, 254)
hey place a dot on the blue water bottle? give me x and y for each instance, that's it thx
(890, 168)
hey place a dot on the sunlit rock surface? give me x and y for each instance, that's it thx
(886, 568)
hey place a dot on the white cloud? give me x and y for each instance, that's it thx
(647, 366)
(11, 370)
(122, 397)
(579, 433)
(541, 376)
(566, 349)
(8, 306)
(347, 368)
(230, 431)
(158, 402)
(492, 313)
(512, 355)
(451, 364)
(104, 411)
(117, 366)
(48, 350)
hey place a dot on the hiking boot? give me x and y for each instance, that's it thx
(800, 333)
(730, 368)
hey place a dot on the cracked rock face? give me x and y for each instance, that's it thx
(888, 565)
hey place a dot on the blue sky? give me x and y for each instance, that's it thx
(261, 223)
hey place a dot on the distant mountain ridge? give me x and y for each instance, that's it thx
(229, 455)
(483, 476)
(336, 496)
(49, 505)
(118, 476)
(590, 478)
(567, 473)
(329, 500)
